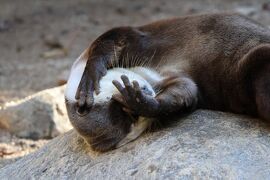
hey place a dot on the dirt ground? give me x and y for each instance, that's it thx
(33, 35)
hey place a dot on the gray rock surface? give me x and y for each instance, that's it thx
(42, 115)
(203, 145)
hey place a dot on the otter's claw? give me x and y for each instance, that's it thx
(84, 93)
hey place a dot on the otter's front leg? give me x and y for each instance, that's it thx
(178, 94)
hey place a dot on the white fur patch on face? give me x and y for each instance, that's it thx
(136, 130)
(150, 75)
(107, 89)
(75, 77)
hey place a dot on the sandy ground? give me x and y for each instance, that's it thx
(32, 29)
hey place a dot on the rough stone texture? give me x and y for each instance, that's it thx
(12, 148)
(42, 115)
(204, 145)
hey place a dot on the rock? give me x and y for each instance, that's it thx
(55, 53)
(12, 148)
(203, 145)
(63, 77)
(246, 10)
(4, 25)
(266, 6)
(42, 115)
(52, 42)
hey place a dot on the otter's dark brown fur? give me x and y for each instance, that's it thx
(226, 55)
(222, 53)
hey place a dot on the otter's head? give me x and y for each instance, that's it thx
(106, 125)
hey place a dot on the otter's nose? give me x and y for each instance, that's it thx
(83, 110)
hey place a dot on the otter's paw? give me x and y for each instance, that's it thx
(134, 99)
(89, 83)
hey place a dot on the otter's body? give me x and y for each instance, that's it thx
(210, 50)
(213, 61)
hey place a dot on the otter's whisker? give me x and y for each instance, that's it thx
(101, 141)
(103, 133)
(115, 56)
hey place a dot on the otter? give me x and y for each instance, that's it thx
(108, 122)
(209, 61)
